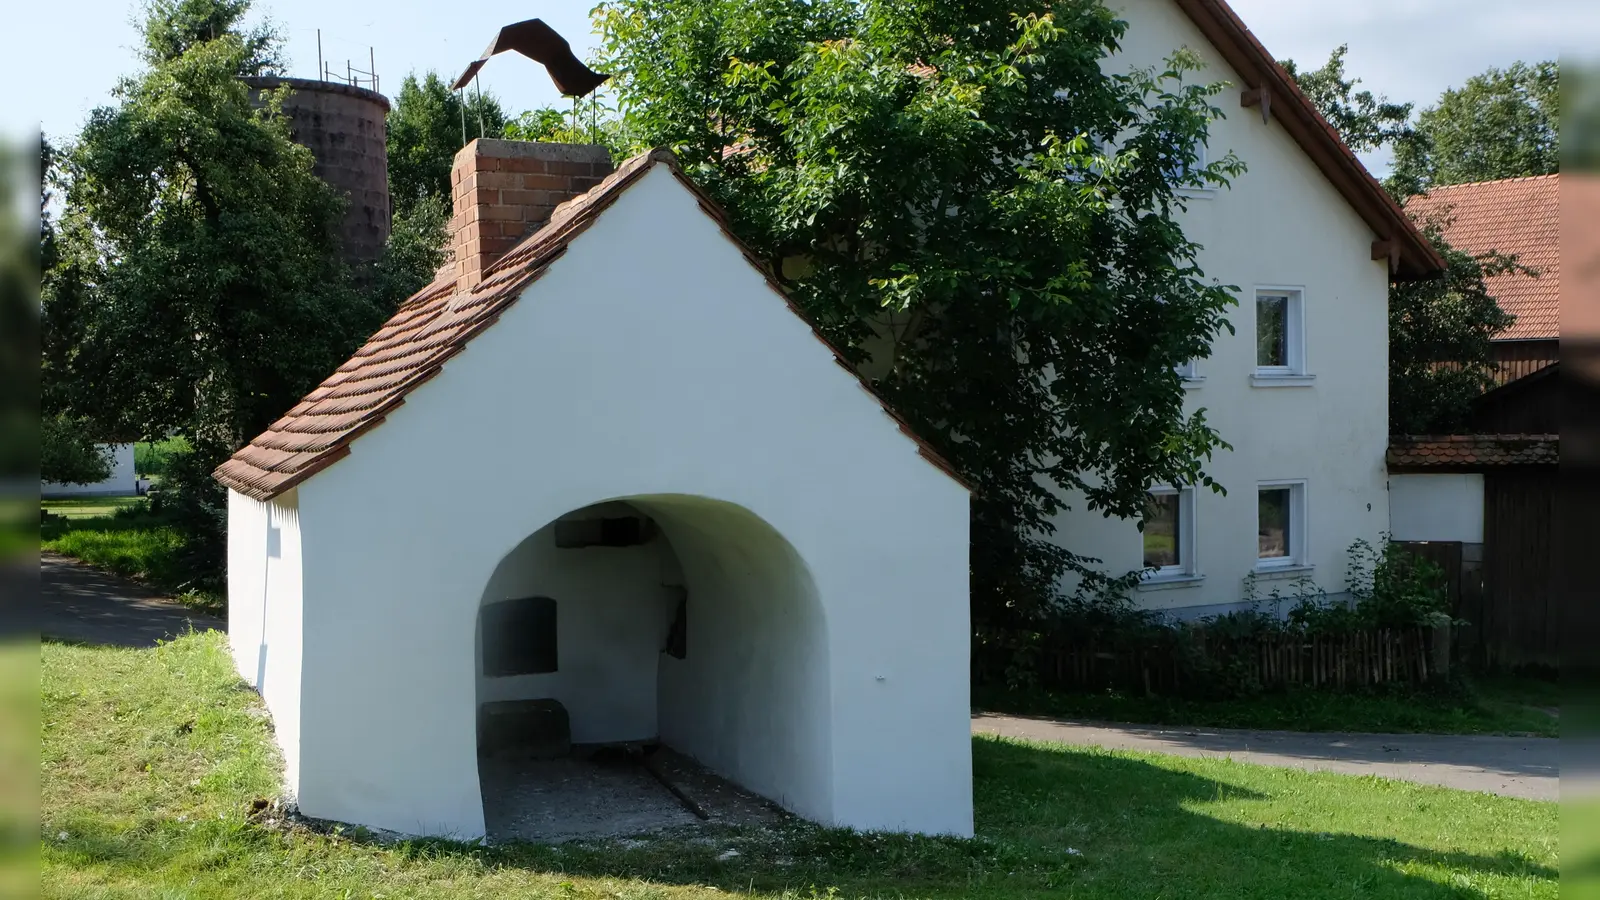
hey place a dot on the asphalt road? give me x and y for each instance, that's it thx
(78, 603)
(1512, 766)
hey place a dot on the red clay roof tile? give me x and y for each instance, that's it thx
(1472, 451)
(1519, 216)
(433, 326)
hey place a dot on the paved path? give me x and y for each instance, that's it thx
(1513, 766)
(83, 604)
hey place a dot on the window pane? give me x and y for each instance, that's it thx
(1273, 523)
(1272, 330)
(1161, 531)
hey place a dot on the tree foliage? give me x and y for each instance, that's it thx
(172, 27)
(1500, 124)
(419, 233)
(69, 452)
(428, 124)
(1439, 340)
(962, 198)
(197, 287)
(213, 292)
(1365, 120)
(585, 124)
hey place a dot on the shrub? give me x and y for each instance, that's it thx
(1215, 657)
(154, 458)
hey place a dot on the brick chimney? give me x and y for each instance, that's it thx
(505, 190)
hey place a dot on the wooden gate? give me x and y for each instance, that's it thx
(1520, 620)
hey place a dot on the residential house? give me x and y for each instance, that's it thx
(1300, 390)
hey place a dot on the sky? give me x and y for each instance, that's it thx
(1410, 50)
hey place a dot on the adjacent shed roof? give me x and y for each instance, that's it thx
(1299, 116)
(1472, 451)
(434, 325)
(1518, 216)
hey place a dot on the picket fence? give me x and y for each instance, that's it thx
(1350, 659)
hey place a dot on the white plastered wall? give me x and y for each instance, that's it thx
(1281, 224)
(750, 697)
(650, 361)
(1442, 507)
(613, 610)
(264, 611)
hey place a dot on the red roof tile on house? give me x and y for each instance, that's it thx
(1519, 216)
(434, 325)
(1473, 451)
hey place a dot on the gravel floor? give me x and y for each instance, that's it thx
(607, 794)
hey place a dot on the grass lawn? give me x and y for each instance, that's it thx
(128, 540)
(90, 507)
(151, 757)
(1471, 706)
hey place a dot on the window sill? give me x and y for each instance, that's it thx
(1190, 382)
(1281, 572)
(1195, 193)
(1170, 582)
(1282, 381)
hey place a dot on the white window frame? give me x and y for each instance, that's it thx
(1189, 372)
(1295, 373)
(1186, 572)
(1201, 160)
(1299, 539)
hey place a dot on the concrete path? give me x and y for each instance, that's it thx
(78, 603)
(1513, 766)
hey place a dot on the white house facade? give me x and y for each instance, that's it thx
(655, 497)
(1300, 389)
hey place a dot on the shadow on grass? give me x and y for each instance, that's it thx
(1049, 821)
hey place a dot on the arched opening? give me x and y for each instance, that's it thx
(635, 651)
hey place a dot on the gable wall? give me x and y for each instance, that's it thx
(264, 612)
(650, 359)
(1280, 224)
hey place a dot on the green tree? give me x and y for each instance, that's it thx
(962, 198)
(418, 235)
(426, 127)
(199, 288)
(172, 27)
(588, 123)
(1365, 120)
(69, 453)
(1500, 124)
(1439, 340)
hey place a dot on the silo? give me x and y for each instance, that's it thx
(343, 127)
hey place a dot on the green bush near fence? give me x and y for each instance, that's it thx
(1217, 657)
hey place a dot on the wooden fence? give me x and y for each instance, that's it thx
(1353, 659)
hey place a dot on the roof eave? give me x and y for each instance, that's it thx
(1417, 257)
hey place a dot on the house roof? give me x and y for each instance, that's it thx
(433, 326)
(1300, 118)
(1472, 451)
(1519, 216)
